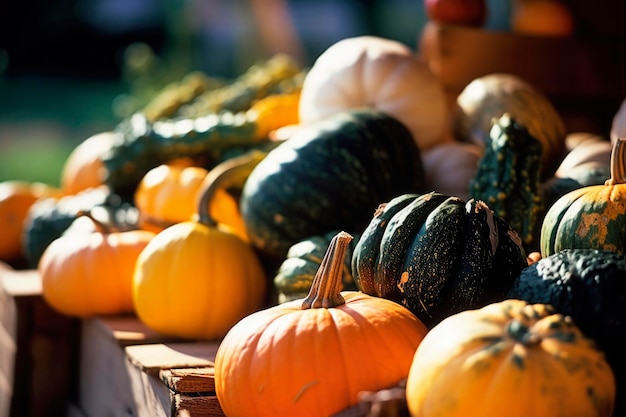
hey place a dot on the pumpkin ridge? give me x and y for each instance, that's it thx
(366, 250)
(428, 283)
(396, 240)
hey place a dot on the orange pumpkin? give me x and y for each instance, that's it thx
(88, 274)
(84, 168)
(509, 359)
(16, 197)
(312, 357)
(168, 194)
(196, 279)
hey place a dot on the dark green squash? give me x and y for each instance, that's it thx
(508, 177)
(588, 285)
(437, 255)
(329, 175)
(50, 218)
(295, 274)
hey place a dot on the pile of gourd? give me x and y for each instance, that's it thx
(343, 230)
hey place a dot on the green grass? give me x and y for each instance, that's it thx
(34, 161)
(43, 119)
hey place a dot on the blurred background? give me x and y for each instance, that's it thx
(73, 68)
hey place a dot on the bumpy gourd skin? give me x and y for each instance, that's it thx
(212, 126)
(590, 286)
(508, 177)
(437, 255)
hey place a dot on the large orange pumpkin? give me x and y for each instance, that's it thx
(509, 359)
(88, 274)
(312, 357)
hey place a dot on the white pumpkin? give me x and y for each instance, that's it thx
(369, 71)
(618, 126)
(492, 95)
(450, 166)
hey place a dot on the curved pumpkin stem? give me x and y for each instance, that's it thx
(326, 288)
(102, 227)
(618, 163)
(231, 173)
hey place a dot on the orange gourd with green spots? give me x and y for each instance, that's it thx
(512, 359)
(592, 217)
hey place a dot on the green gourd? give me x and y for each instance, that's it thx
(508, 177)
(295, 274)
(329, 175)
(437, 255)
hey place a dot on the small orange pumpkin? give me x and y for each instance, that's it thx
(313, 356)
(88, 274)
(16, 197)
(84, 168)
(168, 194)
(509, 359)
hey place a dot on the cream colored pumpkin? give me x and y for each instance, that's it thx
(492, 95)
(450, 166)
(584, 151)
(369, 71)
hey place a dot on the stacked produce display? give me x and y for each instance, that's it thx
(344, 230)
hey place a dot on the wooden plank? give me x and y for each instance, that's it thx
(121, 362)
(21, 283)
(45, 347)
(128, 330)
(191, 406)
(152, 358)
(189, 380)
(152, 398)
(104, 384)
(8, 349)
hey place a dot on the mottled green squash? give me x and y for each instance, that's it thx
(592, 217)
(216, 123)
(590, 286)
(329, 175)
(508, 177)
(437, 255)
(295, 274)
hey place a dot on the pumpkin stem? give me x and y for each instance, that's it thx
(618, 163)
(327, 284)
(102, 227)
(231, 173)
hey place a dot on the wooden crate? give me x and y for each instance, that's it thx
(38, 349)
(127, 369)
(584, 79)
